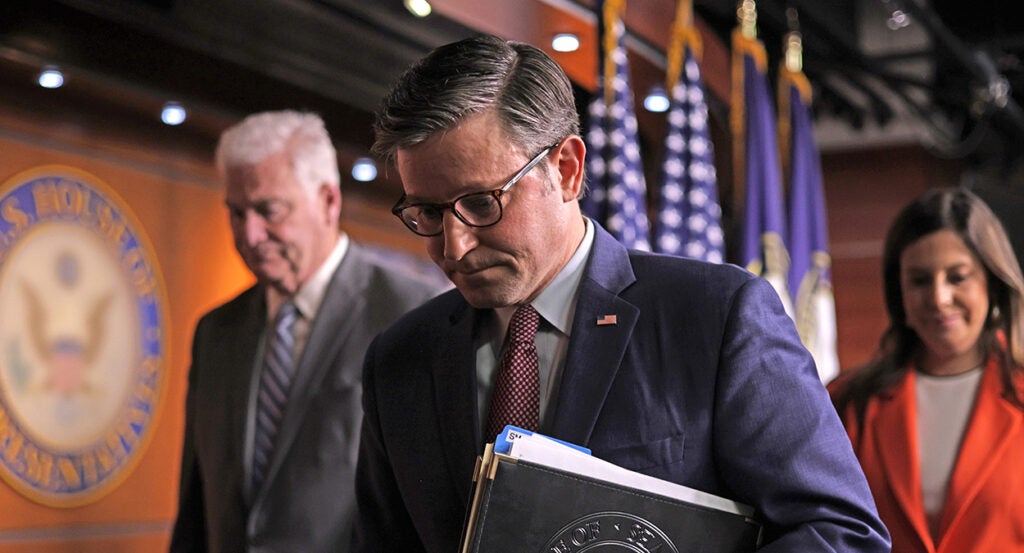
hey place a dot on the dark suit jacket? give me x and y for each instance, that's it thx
(307, 502)
(703, 381)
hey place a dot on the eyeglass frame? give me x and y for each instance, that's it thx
(496, 193)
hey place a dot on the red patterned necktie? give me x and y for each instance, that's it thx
(516, 396)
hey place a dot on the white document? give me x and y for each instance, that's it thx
(542, 450)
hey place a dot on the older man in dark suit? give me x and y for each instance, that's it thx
(273, 411)
(683, 370)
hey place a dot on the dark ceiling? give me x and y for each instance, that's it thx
(955, 72)
(227, 58)
(960, 82)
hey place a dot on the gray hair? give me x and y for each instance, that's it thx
(300, 136)
(530, 91)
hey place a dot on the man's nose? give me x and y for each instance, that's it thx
(254, 228)
(459, 238)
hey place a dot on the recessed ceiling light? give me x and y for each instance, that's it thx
(565, 42)
(364, 170)
(419, 8)
(173, 114)
(898, 20)
(51, 77)
(656, 100)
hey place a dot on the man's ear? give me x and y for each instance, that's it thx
(331, 196)
(570, 155)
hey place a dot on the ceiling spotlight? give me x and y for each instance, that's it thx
(51, 77)
(364, 170)
(656, 100)
(419, 8)
(565, 42)
(898, 20)
(173, 114)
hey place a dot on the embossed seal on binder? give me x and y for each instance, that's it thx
(610, 531)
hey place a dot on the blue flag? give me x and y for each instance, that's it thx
(617, 197)
(689, 217)
(764, 227)
(810, 277)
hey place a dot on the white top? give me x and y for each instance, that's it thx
(944, 405)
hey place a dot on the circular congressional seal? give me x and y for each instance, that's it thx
(82, 337)
(610, 532)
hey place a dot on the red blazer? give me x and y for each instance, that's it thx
(984, 509)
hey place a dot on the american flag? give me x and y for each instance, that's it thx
(810, 270)
(617, 195)
(763, 251)
(689, 217)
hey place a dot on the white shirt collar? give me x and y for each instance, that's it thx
(556, 303)
(311, 294)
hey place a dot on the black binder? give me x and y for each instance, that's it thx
(523, 507)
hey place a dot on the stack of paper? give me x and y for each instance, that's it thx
(537, 448)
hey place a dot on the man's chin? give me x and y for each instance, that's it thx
(479, 280)
(276, 279)
(484, 296)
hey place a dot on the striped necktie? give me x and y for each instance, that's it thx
(516, 396)
(275, 382)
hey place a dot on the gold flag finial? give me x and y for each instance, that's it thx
(747, 16)
(794, 51)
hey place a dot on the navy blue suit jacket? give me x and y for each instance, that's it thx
(703, 381)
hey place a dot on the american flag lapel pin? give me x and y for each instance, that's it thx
(607, 320)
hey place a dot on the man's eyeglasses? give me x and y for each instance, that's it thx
(476, 209)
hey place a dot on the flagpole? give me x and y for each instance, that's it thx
(744, 42)
(613, 12)
(791, 75)
(756, 155)
(810, 281)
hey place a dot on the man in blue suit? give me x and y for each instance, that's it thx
(683, 370)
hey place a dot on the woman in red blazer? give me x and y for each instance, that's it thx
(937, 417)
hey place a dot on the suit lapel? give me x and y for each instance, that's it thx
(994, 424)
(454, 385)
(897, 425)
(342, 309)
(244, 344)
(597, 345)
